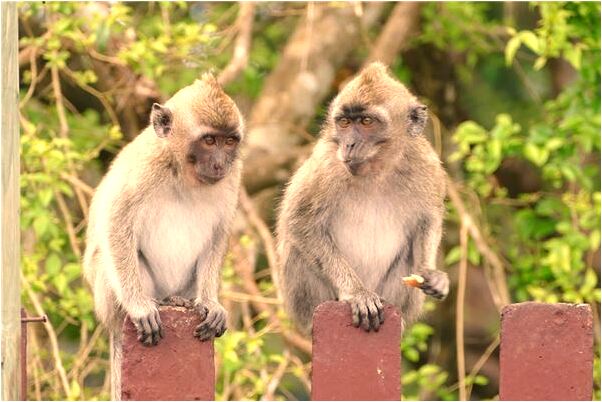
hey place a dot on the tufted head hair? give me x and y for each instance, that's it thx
(375, 88)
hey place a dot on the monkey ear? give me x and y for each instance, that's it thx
(417, 118)
(162, 120)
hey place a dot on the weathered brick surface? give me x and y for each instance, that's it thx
(546, 352)
(180, 367)
(351, 364)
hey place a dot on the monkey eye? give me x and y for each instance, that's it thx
(343, 122)
(230, 141)
(209, 140)
(367, 121)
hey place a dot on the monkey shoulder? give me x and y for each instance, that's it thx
(421, 176)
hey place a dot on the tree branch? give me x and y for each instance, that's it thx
(401, 25)
(486, 251)
(240, 56)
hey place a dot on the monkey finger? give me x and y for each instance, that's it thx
(144, 328)
(355, 314)
(160, 324)
(203, 329)
(204, 333)
(374, 318)
(381, 310)
(156, 330)
(364, 317)
(203, 311)
(221, 330)
(198, 331)
(212, 320)
(221, 321)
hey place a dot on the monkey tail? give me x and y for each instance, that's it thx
(115, 344)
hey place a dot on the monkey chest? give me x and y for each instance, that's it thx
(368, 231)
(175, 236)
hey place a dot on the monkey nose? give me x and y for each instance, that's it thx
(353, 165)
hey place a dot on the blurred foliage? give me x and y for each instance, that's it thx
(547, 233)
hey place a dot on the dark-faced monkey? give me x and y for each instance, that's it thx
(365, 209)
(160, 218)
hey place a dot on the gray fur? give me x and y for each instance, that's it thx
(353, 236)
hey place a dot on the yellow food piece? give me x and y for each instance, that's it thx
(413, 280)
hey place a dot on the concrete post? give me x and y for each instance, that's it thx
(180, 367)
(351, 364)
(546, 352)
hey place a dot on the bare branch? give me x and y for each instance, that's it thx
(480, 242)
(245, 271)
(276, 377)
(240, 56)
(461, 362)
(54, 344)
(264, 233)
(400, 26)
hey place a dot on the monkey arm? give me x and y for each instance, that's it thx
(207, 286)
(213, 315)
(424, 246)
(124, 273)
(425, 243)
(318, 245)
(123, 246)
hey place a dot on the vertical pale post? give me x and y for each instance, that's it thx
(179, 368)
(11, 328)
(546, 352)
(351, 364)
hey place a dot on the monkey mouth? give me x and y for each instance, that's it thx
(354, 167)
(205, 179)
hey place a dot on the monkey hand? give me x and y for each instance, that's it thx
(436, 283)
(213, 320)
(147, 321)
(366, 309)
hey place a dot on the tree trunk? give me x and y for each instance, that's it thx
(300, 82)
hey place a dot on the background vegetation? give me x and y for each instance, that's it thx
(514, 91)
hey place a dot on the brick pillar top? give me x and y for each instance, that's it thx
(180, 367)
(349, 363)
(546, 352)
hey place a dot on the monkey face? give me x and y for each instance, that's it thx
(211, 155)
(203, 128)
(360, 133)
(372, 118)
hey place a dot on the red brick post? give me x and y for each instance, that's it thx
(351, 364)
(180, 367)
(546, 352)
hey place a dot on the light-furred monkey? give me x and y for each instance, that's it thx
(160, 218)
(365, 209)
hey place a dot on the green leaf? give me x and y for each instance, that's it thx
(539, 156)
(45, 195)
(481, 380)
(60, 282)
(53, 264)
(589, 283)
(530, 40)
(539, 63)
(453, 256)
(573, 56)
(74, 391)
(511, 48)
(40, 225)
(411, 354)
